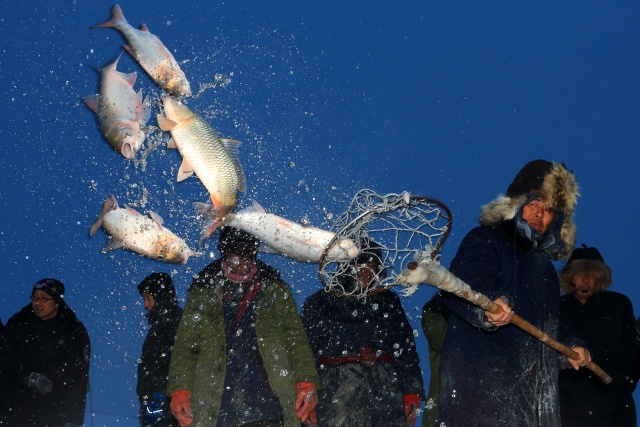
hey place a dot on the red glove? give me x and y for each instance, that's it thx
(306, 401)
(181, 407)
(411, 408)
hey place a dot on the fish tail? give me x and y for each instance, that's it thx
(110, 204)
(116, 15)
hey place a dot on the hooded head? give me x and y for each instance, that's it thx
(233, 240)
(52, 287)
(371, 254)
(585, 261)
(160, 286)
(555, 185)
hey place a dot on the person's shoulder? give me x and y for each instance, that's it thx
(25, 314)
(616, 297)
(206, 278)
(316, 298)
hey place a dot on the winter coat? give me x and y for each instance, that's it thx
(354, 394)
(153, 369)
(502, 376)
(198, 362)
(57, 348)
(606, 323)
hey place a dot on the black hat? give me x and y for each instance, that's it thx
(235, 240)
(371, 252)
(157, 284)
(587, 253)
(53, 287)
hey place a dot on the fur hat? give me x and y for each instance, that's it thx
(234, 240)
(552, 182)
(585, 260)
(53, 287)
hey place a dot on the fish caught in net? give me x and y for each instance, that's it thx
(388, 231)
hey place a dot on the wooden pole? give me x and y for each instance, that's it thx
(426, 270)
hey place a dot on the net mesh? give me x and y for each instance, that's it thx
(401, 224)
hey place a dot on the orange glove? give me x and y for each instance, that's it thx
(411, 408)
(181, 407)
(306, 401)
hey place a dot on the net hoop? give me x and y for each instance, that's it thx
(402, 224)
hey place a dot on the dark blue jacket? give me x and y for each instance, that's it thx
(502, 376)
(607, 323)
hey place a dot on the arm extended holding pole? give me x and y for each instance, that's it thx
(427, 270)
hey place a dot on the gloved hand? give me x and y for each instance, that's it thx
(154, 413)
(411, 408)
(40, 382)
(306, 401)
(181, 407)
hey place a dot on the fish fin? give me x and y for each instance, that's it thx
(96, 226)
(185, 171)
(130, 50)
(109, 205)
(130, 78)
(232, 146)
(171, 144)
(144, 28)
(112, 245)
(257, 207)
(116, 15)
(145, 109)
(165, 123)
(209, 213)
(93, 102)
(157, 218)
(205, 209)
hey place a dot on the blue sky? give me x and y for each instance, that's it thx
(442, 99)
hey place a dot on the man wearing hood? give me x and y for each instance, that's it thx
(46, 362)
(241, 356)
(605, 320)
(163, 314)
(364, 349)
(493, 373)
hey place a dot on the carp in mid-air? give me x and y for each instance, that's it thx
(146, 236)
(300, 242)
(121, 110)
(212, 158)
(151, 54)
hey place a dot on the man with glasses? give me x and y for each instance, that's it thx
(45, 361)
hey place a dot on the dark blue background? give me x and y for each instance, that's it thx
(438, 98)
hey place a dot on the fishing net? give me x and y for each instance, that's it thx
(388, 229)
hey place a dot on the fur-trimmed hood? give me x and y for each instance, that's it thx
(552, 182)
(585, 260)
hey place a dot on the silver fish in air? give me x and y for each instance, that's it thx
(212, 158)
(151, 54)
(121, 110)
(146, 236)
(300, 242)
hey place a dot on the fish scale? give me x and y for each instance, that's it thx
(205, 153)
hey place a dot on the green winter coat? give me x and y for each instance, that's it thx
(198, 361)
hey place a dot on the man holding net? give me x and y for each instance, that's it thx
(493, 373)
